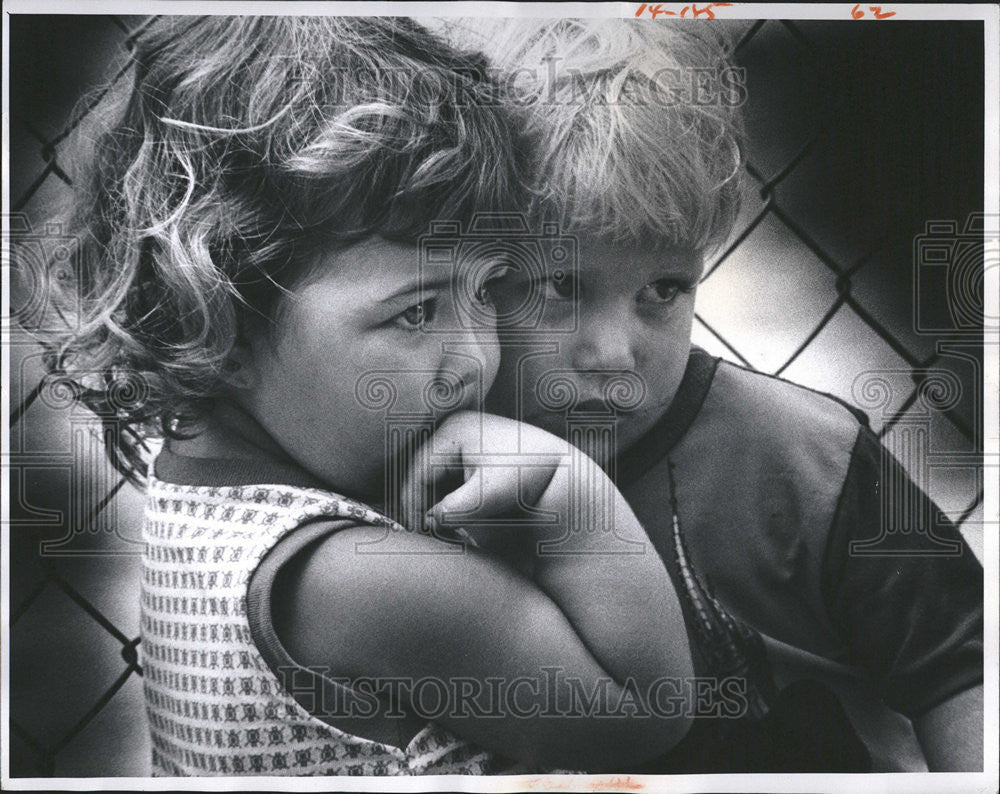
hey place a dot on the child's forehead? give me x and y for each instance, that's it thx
(374, 257)
(369, 269)
(628, 261)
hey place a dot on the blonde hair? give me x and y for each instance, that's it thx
(616, 150)
(242, 146)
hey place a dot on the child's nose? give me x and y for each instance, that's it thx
(604, 345)
(474, 359)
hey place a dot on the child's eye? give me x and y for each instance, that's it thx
(484, 294)
(418, 314)
(662, 290)
(560, 286)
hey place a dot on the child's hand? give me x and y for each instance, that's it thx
(505, 468)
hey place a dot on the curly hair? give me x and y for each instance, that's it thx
(628, 143)
(241, 146)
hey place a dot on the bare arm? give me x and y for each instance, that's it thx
(609, 580)
(951, 733)
(407, 609)
(592, 556)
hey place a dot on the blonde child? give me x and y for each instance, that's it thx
(248, 225)
(748, 483)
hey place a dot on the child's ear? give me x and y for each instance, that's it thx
(239, 370)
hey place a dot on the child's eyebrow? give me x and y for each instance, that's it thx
(674, 268)
(417, 287)
(681, 271)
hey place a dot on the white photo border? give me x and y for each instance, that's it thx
(932, 783)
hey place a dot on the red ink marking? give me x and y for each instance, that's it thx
(877, 12)
(616, 783)
(544, 784)
(695, 10)
(707, 10)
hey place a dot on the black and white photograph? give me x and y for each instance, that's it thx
(500, 396)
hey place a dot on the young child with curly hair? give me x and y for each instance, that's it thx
(249, 224)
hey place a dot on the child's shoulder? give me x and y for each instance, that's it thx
(769, 410)
(723, 411)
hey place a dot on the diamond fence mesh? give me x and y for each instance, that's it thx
(816, 285)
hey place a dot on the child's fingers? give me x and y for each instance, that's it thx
(484, 493)
(495, 487)
(423, 473)
(502, 467)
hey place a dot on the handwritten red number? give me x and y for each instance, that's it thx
(658, 9)
(707, 10)
(877, 11)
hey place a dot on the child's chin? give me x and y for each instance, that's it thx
(628, 428)
(552, 421)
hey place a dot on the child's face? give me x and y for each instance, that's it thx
(352, 352)
(635, 308)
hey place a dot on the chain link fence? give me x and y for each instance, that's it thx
(805, 290)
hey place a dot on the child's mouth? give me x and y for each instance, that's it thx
(593, 406)
(598, 406)
(589, 411)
